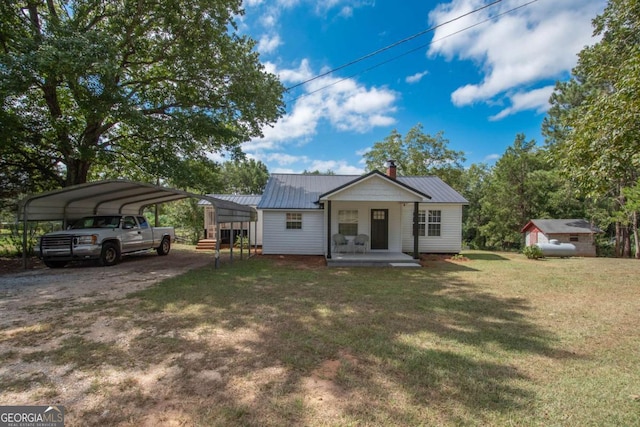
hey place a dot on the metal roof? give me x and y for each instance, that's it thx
(288, 191)
(118, 196)
(563, 226)
(242, 199)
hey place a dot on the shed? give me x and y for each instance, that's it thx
(578, 232)
(121, 196)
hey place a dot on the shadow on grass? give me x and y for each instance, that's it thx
(419, 346)
(422, 334)
(485, 256)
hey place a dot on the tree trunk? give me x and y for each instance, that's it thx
(636, 234)
(77, 171)
(627, 242)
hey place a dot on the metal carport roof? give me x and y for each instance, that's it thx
(118, 196)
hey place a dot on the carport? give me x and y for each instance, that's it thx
(122, 197)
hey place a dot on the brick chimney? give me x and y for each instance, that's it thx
(391, 170)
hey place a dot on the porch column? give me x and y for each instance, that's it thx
(416, 248)
(328, 229)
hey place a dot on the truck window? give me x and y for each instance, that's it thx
(143, 222)
(129, 223)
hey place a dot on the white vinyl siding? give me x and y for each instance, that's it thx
(450, 239)
(375, 188)
(309, 240)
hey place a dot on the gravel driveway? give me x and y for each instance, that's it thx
(21, 293)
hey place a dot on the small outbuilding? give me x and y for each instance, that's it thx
(578, 232)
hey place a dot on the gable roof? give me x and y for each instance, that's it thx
(367, 176)
(295, 191)
(562, 226)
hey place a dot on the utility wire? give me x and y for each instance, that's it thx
(376, 52)
(366, 70)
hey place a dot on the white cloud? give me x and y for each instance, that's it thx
(346, 12)
(340, 167)
(515, 51)
(268, 44)
(491, 158)
(284, 159)
(415, 78)
(345, 105)
(537, 99)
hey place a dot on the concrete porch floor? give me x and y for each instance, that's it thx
(372, 259)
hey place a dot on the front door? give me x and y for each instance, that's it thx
(379, 228)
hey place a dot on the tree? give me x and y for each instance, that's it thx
(244, 177)
(508, 201)
(595, 136)
(418, 154)
(475, 181)
(123, 82)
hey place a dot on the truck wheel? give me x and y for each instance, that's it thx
(164, 247)
(55, 264)
(110, 254)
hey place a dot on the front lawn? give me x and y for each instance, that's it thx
(493, 340)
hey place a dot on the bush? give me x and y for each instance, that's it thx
(241, 240)
(532, 252)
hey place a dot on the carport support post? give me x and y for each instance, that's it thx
(217, 263)
(255, 238)
(241, 240)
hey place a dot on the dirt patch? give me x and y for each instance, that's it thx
(39, 292)
(322, 390)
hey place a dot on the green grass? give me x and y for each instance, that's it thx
(493, 340)
(496, 340)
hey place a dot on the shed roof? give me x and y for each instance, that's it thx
(242, 199)
(562, 226)
(117, 196)
(289, 191)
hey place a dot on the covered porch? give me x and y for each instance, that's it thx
(372, 259)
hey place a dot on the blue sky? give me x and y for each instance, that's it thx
(481, 86)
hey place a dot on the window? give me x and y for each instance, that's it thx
(294, 221)
(574, 238)
(348, 222)
(434, 223)
(143, 222)
(129, 223)
(422, 222)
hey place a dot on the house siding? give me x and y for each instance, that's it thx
(375, 188)
(307, 241)
(450, 240)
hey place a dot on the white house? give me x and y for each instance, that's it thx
(301, 213)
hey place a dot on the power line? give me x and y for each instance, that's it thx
(376, 52)
(401, 55)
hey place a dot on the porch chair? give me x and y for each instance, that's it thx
(360, 242)
(340, 243)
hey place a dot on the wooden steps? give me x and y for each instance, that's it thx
(206, 244)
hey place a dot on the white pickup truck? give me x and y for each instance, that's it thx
(105, 238)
